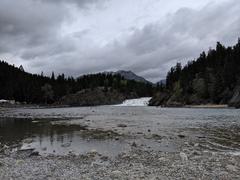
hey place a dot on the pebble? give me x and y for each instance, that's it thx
(116, 174)
(231, 168)
(19, 162)
(44, 148)
(35, 153)
(162, 159)
(196, 145)
(134, 144)
(28, 141)
(122, 125)
(104, 158)
(181, 136)
(66, 145)
(183, 156)
(93, 152)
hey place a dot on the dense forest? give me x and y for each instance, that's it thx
(21, 86)
(214, 77)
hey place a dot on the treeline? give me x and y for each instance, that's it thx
(212, 78)
(31, 88)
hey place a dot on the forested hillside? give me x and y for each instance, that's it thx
(31, 88)
(212, 78)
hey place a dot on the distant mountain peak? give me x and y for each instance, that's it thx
(129, 75)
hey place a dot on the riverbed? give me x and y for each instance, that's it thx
(111, 142)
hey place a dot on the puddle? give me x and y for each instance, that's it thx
(50, 137)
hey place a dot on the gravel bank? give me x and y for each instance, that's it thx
(160, 143)
(136, 164)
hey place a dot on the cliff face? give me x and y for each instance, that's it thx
(94, 97)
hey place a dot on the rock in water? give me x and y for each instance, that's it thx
(66, 145)
(93, 151)
(34, 153)
(181, 136)
(134, 144)
(28, 141)
(122, 125)
(44, 148)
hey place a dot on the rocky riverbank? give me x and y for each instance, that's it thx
(111, 142)
(190, 163)
(167, 99)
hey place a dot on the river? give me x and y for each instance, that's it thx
(60, 130)
(202, 143)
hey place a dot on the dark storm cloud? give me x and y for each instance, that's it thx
(31, 31)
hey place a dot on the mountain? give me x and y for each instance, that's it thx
(129, 75)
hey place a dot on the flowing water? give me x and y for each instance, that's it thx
(111, 130)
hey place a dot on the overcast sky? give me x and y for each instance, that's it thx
(87, 36)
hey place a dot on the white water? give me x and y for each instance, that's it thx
(136, 102)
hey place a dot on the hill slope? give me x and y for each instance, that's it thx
(212, 78)
(131, 76)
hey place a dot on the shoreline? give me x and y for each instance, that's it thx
(200, 106)
(137, 164)
(115, 143)
(210, 106)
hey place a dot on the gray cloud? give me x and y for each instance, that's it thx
(79, 3)
(182, 37)
(31, 31)
(25, 24)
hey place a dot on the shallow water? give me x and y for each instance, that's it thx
(112, 130)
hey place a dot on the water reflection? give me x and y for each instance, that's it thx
(48, 137)
(63, 129)
(14, 130)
